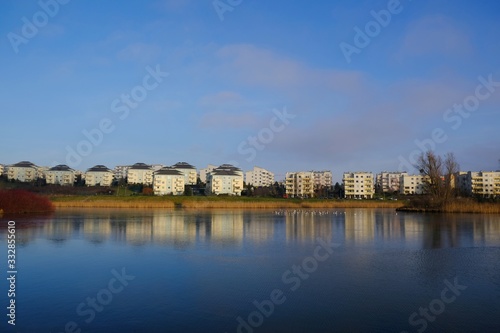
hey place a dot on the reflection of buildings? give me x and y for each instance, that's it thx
(97, 229)
(175, 228)
(227, 226)
(374, 227)
(305, 225)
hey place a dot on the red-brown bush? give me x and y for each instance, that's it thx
(20, 201)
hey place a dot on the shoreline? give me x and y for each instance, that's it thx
(183, 202)
(213, 202)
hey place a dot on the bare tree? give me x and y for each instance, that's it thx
(430, 166)
(439, 174)
(451, 167)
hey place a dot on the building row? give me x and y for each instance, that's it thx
(224, 179)
(228, 179)
(307, 184)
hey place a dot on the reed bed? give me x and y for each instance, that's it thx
(113, 204)
(469, 206)
(213, 203)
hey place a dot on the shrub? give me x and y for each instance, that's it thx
(21, 201)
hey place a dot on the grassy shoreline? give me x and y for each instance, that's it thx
(190, 202)
(211, 202)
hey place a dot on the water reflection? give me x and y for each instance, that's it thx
(185, 228)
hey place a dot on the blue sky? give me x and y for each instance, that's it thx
(229, 78)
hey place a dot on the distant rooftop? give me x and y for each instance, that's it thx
(140, 166)
(61, 167)
(24, 164)
(99, 168)
(168, 171)
(183, 165)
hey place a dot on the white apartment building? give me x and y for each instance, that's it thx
(120, 171)
(225, 179)
(300, 184)
(23, 171)
(168, 181)
(358, 185)
(322, 179)
(1, 169)
(483, 183)
(412, 184)
(98, 175)
(60, 175)
(205, 171)
(189, 172)
(259, 177)
(140, 173)
(389, 182)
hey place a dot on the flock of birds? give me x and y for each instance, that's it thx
(307, 212)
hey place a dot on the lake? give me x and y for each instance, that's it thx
(344, 270)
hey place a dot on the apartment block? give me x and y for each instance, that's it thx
(60, 175)
(205, 171)
(389, 182)
(300, 184)
(322, 179)
(483, 183)
(140, 173)
(412, 184)
(225, 179)
(189, 172)
(23, 171)
(168, 181)
(358, 185)
(99, 175)
(120, 171)
(259, 177)
(2, 169)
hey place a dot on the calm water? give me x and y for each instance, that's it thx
(358, 270)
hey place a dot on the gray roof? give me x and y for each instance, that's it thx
(224, 173)
(61, 167)
(168, 171)
(183, 165)
(227, 167)
(98, 168)
(24, 164)
(140, 166)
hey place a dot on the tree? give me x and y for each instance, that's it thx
(439, 174)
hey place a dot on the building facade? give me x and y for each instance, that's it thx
(99, 175)
(120, 171)
(225, 179)
(322, 180)
(299, 184)
(60, 175)
(412, 184)
(23, 171)
(205, 171)
(140, 173)
(189, 172)
(358, 185)
(483, 183)
(389, 182)
(259, 177)
(168, 181)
